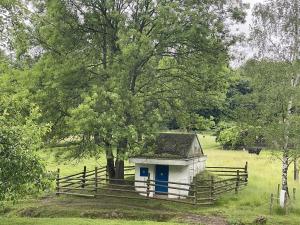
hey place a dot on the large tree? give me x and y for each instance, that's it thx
(109, 73)
(275, 33)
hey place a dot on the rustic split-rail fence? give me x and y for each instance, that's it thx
(96, 183)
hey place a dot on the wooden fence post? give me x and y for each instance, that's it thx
(96, 178)
(246, 171)
(212, 183)
(271, 203)
(294, 193)
(57, 182)
(148, 185)
(106, 174)
(286, 206)
(195, 194)
(83, 177)
(237, 181)
(278, 193)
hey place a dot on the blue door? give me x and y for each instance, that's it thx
(161, 174)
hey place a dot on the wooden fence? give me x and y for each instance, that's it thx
(290, 200)
(228, 178)
(95, 183)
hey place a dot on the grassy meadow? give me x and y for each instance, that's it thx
(253, 201)
(264, 176)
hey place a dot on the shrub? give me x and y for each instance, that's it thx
(233, 136)
(230, 136)
(21, 171)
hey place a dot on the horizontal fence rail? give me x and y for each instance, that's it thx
(235, 178)
(94, 183)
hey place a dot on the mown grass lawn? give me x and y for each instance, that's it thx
(252, 202)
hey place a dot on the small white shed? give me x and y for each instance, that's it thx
(176, 157)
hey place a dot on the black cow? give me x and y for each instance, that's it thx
(254, 150)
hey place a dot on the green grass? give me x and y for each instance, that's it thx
(55, 158)
(73, 221)
(252, 202)
(97, 208)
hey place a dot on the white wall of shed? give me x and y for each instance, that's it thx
(143, 186)
(195, 148)
(196, 166)
(178, 174)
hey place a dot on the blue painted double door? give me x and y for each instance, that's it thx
(162, 178)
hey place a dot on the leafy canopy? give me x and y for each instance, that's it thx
(21, 170)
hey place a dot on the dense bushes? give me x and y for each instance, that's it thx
(21, 170)
(233, 136)
(230, 136)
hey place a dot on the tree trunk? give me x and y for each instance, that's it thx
(285, 166)
(296, 170)
(284, 190)
(122, 145)
(110, 165)
(285, 156)
(120, 169)
(97, 139)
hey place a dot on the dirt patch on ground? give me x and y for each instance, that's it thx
(115, 214)
(203, 220)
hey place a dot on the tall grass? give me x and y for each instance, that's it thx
(264, 177)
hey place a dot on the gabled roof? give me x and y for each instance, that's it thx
(174, 145)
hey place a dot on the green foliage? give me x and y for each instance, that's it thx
(267, 106)
(21, 170)
(230, 136)
(192, 121)
(239, 86)
(239, 14)
(109, 74)
(274, 102)
(106, 76)
(237, 136)
(275, 30)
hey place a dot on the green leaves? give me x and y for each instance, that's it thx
(21, 170)
(267, 105)
(276, 96)
(109, 71)
(275, 29)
